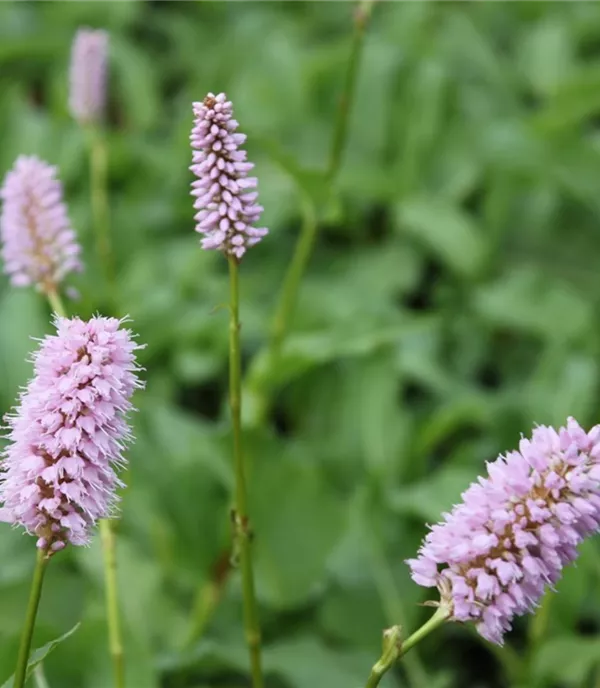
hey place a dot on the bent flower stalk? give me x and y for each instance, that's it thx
(493, 556)
(89, 58)
(68, 432)
(39, 245)
(225, 195)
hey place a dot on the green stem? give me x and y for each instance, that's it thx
(340, 135)
(40, 677)
(99, 198)
(394, 608)
(291, 283)
(110, 558)
(394, 648)
(243, 533)
(304, 246)
(112, 601)
(56, 303)
(32, 607)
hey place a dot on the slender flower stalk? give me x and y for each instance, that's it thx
(288, 297)
(87, 101)
(111, 596)
(40, 677)
(34, 600)
(362, 15)
(98, 153)
(394, 648)
(493, 556)
(228, 211)
(241, 519)
(39, 246)
(293, 277)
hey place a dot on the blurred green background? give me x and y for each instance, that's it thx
(452, 300)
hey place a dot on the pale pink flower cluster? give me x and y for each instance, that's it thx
(68, 432)
(493, 556)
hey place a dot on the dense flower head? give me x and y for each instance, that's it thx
(89, 56)
(225, 196)
(493, 555)
(68, 432)
(39, 245)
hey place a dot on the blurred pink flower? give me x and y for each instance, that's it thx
(89, 57)
(39, 245)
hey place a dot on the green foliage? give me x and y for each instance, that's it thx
(452, 300)
(39, 655)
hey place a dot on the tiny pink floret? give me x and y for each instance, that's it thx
(68, 432)
(494, 555)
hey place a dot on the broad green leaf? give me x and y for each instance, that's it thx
(290, 505)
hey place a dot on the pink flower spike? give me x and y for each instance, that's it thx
(67, 434)
(227, 212)
(495, 554)
(89, 57)
(39, 246)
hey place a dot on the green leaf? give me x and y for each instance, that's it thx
(547, 55)
(446, 231)
(573, 102)
(428, 499)
(311, 182)
(567, 660)
(526, 299)
(24, 311)
(292, 508)
(39, 655)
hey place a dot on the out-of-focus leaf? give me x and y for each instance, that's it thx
(446, 231)
(529, 301)
(311, 182)
(567, 659)
(24, 311)
(547, 55)
(430, 498)
(291, 504)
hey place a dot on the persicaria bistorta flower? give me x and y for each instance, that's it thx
(68, 432)
(89, 56)
(493, 555)
(225, 195)
(39, 245)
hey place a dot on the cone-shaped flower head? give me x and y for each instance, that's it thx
(493, 556)
(89, 56)
(225, 195)
(39, 246)
(68, 432)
